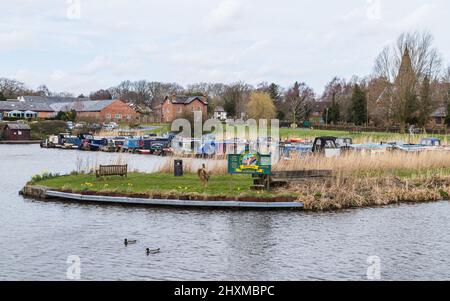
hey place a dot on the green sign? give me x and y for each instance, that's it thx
(250, 163)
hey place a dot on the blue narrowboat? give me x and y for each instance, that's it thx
(96, 144)
(132, 144)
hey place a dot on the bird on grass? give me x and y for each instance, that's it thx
(129, 242)
(154, 251)
(203, 175)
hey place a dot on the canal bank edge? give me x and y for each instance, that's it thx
(44, 193)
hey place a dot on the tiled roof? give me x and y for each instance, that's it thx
(18, 126)
(441, 112)
(180, 99)
(51, 100)
(7, 106)
(82, 106)
(79, 106)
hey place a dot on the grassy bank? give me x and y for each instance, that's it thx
(161, 184)
(316, 194)
(40, 130)
(359, 180)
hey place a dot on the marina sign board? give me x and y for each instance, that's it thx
(250, 163)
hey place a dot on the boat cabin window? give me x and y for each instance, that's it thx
(330, 144)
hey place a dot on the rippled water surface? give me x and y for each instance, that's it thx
(413, 241)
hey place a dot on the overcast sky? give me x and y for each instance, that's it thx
(83, 45)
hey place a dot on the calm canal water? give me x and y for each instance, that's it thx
(36, 238)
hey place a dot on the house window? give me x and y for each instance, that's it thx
(128, 116)
(118, 116)
(180, 109)
(108, 116)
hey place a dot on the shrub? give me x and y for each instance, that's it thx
(44, 176)
(43, 129)
(444, 194)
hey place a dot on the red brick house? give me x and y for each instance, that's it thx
(101, 111)
(175, 107)
(49, 107)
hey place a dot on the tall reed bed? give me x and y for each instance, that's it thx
(364, 162)
(352, 163)
(354, 192)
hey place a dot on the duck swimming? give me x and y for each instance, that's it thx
(129, 242)
(155, 251)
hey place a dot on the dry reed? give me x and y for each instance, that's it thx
(341, 193)
(354, 162)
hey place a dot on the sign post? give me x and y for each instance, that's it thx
(250, 163)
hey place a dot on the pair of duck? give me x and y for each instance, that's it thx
(148, 250)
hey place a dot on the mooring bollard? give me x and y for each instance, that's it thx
(178, 170)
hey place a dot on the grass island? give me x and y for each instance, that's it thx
(357, 180)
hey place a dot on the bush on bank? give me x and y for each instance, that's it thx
(40, 130)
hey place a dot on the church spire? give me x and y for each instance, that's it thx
(406, 72)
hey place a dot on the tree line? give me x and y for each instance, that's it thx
(407, 85)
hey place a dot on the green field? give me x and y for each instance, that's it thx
(359, 137)
(161, 183)
(162, 129)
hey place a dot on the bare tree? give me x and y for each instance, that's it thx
(43, 90)
(11, 88)
(141, 92)
(405, 66)
(100, 95)
(425, 58)
(299, 100)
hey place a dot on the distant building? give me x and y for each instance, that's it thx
(45, 107)
(438, 117)
(318, 107)
(101, 110)
(17, 132)
(175, 107)
(145, 113)
(220, 113)
(25, 110)
(50, 99)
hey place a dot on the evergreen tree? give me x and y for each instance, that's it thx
(358, 109)
(229, 106)
(2, 96)
(334, 113)
(274, 91)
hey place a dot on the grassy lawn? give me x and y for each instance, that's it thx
(162, 129)
(219, 185)
(359, 137)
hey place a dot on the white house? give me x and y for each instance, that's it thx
(220, 114)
